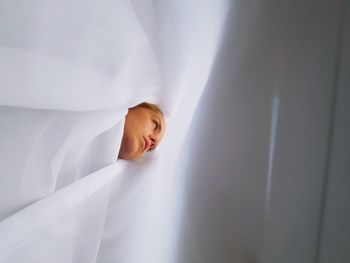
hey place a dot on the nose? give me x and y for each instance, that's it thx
(153, 140)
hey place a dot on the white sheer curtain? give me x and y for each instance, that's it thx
(69, 70)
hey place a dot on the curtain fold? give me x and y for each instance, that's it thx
(58, 219)
(69, 70)
(97, 52)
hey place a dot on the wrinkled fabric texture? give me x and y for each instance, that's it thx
(69, 71)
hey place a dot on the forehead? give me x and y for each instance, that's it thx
(155, 114)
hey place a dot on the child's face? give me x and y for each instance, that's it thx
(143, 131)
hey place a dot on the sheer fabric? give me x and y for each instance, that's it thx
(69, 70)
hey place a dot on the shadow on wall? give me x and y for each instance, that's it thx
(272, 49)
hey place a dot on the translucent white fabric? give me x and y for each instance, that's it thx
(69, 70)
(43, 151)
(96, 52)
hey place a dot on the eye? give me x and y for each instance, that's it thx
(155, 124)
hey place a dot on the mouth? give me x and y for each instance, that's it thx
(146, 145)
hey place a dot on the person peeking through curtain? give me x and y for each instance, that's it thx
(143, 130)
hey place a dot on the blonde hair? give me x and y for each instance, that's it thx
(150, 106)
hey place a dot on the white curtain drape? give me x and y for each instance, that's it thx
(253, 168)
(69, 70)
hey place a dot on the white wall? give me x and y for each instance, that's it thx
(255, 163)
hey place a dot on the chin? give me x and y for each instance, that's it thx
(128, 149)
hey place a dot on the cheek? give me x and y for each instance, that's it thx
(136, 127)
(129, 144)
(128, 147)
